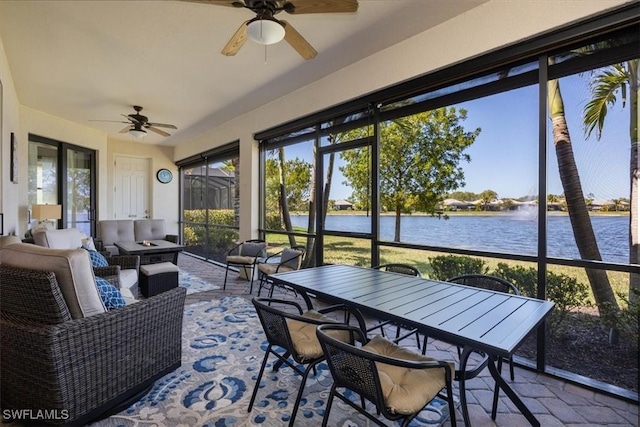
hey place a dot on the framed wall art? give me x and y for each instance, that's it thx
(14, 159)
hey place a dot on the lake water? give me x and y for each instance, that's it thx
(505, 233)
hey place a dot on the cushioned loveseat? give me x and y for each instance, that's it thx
(63, 353)
(127, 230)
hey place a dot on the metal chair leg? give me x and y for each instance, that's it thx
(226, 273)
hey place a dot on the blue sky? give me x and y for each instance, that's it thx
(504, 157)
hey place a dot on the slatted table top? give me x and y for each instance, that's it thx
(489, 321)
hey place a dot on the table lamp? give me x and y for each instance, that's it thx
(47, 214)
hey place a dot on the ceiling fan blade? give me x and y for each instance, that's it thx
(236, 41)
(131, 118)
(158, 131)
(213, 2)
(109, 121)
(298, 42)
(126, 129)
(162, 125)
(324, 6)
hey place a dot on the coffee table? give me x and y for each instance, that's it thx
(152, 253)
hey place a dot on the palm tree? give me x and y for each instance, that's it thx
(624, 79)
(577, 207)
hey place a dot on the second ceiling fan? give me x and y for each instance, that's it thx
(265, 29)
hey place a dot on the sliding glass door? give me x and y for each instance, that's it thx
(63, 174)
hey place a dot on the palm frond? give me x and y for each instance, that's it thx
(604, 87)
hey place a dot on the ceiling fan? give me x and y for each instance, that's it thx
(266, 29)
(137, 123)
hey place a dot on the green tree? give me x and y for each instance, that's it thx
(607, 83)
(487, 196)
(419, 161)
(297, 176)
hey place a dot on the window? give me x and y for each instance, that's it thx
(210, 202)
(64, 174)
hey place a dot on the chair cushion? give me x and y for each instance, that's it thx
(110, 295)
(72, 269)
(239, 259)
(290, 258)
(8, 240)
(129, 280)
(253, 249)
(65, 238)
(116, 230)
(149, 229)
(97, 259)
(271, 268)
(304, 338)
(406, 390)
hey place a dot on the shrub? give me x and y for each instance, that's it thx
(273, 221)
(447, 266)
(565, 291)
(524, 278)
(626, 320)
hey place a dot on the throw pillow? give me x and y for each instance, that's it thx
(253, 249)
(110, 295)
(97, 259)
(87, 243)
(290, 258)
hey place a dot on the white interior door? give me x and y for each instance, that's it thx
(131, 188)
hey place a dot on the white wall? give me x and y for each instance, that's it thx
(488, 27)
(10, 120)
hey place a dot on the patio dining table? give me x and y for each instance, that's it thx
(477, 320)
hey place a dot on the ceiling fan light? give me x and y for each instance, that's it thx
(265, 31)
(137, 133)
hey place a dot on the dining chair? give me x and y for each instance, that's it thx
(491, 283)
(402, 269)
(288, 259)
(245, 255)
(289, 328)
(398, 381)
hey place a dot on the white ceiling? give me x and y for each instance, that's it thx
(87, 60)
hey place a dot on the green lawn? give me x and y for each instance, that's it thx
(340, 250)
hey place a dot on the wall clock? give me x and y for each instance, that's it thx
(164, 176)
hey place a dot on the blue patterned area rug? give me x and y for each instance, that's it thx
(223, 347)
(194, 284)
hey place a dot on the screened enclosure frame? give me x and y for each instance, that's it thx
(377, 107)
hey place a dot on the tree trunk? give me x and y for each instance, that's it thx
(396, 232)
(236, 191)
(311, 242)
(634, 238)
(327, 188)
(286, 217)
(577, 207)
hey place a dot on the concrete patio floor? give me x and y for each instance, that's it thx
(554, 402)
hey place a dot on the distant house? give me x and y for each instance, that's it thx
(455, 205)
(343, 205)
(602, 205)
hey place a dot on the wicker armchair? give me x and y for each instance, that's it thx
(81, 369)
